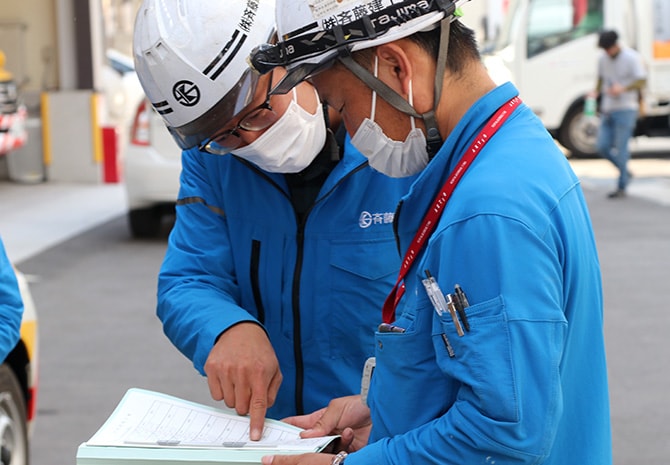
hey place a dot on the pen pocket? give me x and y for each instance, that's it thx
(481, 359)
(407, 391)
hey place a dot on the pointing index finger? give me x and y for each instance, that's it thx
(257, 410)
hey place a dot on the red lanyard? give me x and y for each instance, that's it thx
(435, 212)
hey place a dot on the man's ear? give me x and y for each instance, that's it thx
(404, 61)
(395, 66)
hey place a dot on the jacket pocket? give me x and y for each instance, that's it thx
(481, 359)
(361, 275)
(365, 260)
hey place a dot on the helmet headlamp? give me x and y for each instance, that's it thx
(306, 49)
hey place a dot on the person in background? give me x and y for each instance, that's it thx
(621, 79)
(491, 348)
(11, 305)
(282, 251)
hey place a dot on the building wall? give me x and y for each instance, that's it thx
(119, 19)
(28, 38)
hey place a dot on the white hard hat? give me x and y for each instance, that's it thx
(190, 57)
(313, 32)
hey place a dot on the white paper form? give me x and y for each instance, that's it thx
(151, 419)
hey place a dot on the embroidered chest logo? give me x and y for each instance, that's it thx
(367, 219)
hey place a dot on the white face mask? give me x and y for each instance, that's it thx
(393, 158)
(290, 144)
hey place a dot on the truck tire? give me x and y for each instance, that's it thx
(13, 427)
(579, 134)
(145, 223)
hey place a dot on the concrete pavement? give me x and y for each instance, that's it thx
(651, 177)
(35, 217)
(633, 240)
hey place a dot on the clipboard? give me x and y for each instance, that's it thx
(149, 427)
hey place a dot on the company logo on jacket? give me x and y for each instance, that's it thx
(368, 219)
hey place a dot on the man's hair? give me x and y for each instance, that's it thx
(607, 39)
(462, 46)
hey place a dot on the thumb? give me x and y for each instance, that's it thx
(279, 459)
(324, 426)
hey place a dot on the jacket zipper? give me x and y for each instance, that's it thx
(297, 334)
(295, 298)
(255, 279)
(396, 217)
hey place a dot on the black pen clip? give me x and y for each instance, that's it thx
(461, 303)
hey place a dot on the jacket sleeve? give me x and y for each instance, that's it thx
(11, 306)
(197, 292)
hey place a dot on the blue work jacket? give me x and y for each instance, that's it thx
(11, 306)
(238, 253)
(528, 383)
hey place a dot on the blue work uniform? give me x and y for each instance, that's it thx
(528, 383)
(11, 306)
(239, 252)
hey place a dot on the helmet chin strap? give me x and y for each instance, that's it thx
(433, 138)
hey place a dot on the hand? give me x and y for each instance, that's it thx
(616, 89)
(243, 371)
(302, 459)
(346, 416)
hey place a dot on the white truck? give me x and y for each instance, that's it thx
(548, 49)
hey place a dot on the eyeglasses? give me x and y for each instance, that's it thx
(257, 119)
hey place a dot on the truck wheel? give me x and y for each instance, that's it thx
(145, 223)
(13, 428)
(579, 133)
